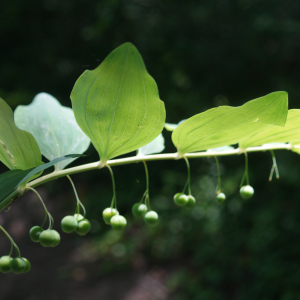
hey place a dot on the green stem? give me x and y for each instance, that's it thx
(114, 199)
(189, 174)
(246, 168)
(13, 244)
(274, 167)
(45, 208)
(134, 159)
(77, 198)
(147, 196)
(218, 189)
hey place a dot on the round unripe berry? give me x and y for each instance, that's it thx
(78, 217)
(118, 222)
(69, 224)
(220, 198)
(84, 226)
(5, 264)
(246, 191)
(28, 265)
(108, 213)
(35, 232)
(191, 202)
(47, 238)
(18, 265)
(139, 209)
(57, 238)
(180, 199)
(151, 217)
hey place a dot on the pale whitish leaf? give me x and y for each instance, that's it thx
(171, 126)
(229, 125)
(220, 149)
(18, 148)
(53, 126)
(155, 146)
(117, 105)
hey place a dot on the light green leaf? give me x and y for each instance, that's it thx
(290, 133)
(155, 146)
(227, 125)
(18, 148)
(117, 105)
(12, 179)
(54, 128)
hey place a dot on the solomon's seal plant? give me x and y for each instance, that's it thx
(117, 108)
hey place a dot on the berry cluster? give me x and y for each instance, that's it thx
(47, 238)
(17, 265)
(76, 223)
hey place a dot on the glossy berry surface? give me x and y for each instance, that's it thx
(78, 217)
(151, 217)
(18, 265)
(57, 238)
(220, 198)
(28, 265)
(191, 202)
(69, 224)
(5, 264)
(246, 191)
(35, 232)
(108, 213)
(84, 226)
(118, 222)
(180, 199)
(47, 238)
(139, 210)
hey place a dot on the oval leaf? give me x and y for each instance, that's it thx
(227, 125)
(18, 148)
(54, 128)
(290, 133)
(155, 146)
(117, 105)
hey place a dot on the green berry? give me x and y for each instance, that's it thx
(180, 199)
(35, 232)
(28, 265)
(78, 217)
(246, 191)
(108, 213)
(151, 217)
(220, 198)
(18, 265)
(191, 202)
(47, 238)
(57, 238)
(5, 264)
(84, 226)
(139, 209)
(69, 224)
(118, 222)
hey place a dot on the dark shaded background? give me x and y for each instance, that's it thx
(202, 54)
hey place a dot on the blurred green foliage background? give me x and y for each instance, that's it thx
(202, 54)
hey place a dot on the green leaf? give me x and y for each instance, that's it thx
(227, 125)
(155, 146)
(18, 148)
(12, 179)
(117, 105)
(54, 128)
(290, 133)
